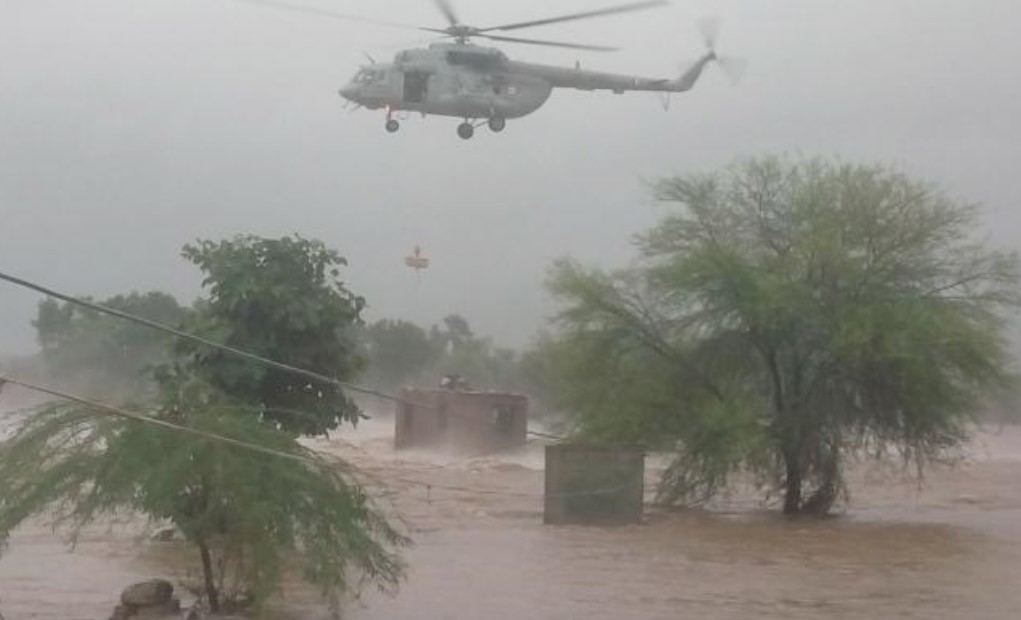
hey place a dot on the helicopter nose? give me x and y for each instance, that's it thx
(348, 92)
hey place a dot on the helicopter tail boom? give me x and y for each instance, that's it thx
(577, 78)
(688, 79)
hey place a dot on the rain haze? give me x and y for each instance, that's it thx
(132, 127)
(129, 128)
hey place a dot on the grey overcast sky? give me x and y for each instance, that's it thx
(131, 127)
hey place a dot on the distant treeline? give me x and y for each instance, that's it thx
(109, 358)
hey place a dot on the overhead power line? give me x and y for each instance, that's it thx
(178, 428)
(145, 419)
(308, 374)
(223, 347)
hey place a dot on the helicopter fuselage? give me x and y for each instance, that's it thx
(474, 82)
(463, 81)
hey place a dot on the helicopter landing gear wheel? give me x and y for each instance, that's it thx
(497, 124)
(465, 130)
(392, 126)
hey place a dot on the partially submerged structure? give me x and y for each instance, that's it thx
(460, 420)
(588, 485)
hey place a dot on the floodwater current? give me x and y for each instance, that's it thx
(950, 549)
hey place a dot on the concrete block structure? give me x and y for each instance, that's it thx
(460, 420)
(593, 486)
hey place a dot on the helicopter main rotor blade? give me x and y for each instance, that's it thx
(298, 8)
(448, 11)
(573, 46)
(624, 8)
(442, 31)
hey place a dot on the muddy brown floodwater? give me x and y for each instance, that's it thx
(949, 550)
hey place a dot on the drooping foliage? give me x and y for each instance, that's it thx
(281, 299)
(250, 515)
(785, 316)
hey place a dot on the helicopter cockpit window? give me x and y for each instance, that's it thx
(367, 76)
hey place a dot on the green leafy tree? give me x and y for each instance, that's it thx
(281, 299)
(476, 359)
(253, 512)
(536, 374)
(786, 317)
(251, 516)
(398, 352)
(99, 354)
(455, 332)
(481, 364)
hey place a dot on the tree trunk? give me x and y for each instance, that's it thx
(792, 484)
(207, 574)
(821, 501)
(825, 496)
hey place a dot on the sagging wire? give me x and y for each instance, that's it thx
(308, 374)
(245, 355)
(226, 348)
(146, 419)
(378, 480)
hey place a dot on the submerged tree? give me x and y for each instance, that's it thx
(789, 316)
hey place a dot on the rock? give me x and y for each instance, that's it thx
(170, 608)
(123, 612)
(153, 593)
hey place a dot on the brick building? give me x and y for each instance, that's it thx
(460, 420)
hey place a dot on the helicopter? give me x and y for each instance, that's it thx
(481, 85)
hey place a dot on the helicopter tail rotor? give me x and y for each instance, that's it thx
(733, 67)
(709, 28)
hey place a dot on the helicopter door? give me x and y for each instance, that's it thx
(416, 84)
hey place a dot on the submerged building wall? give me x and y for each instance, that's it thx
(588, 485)
(460, 420)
